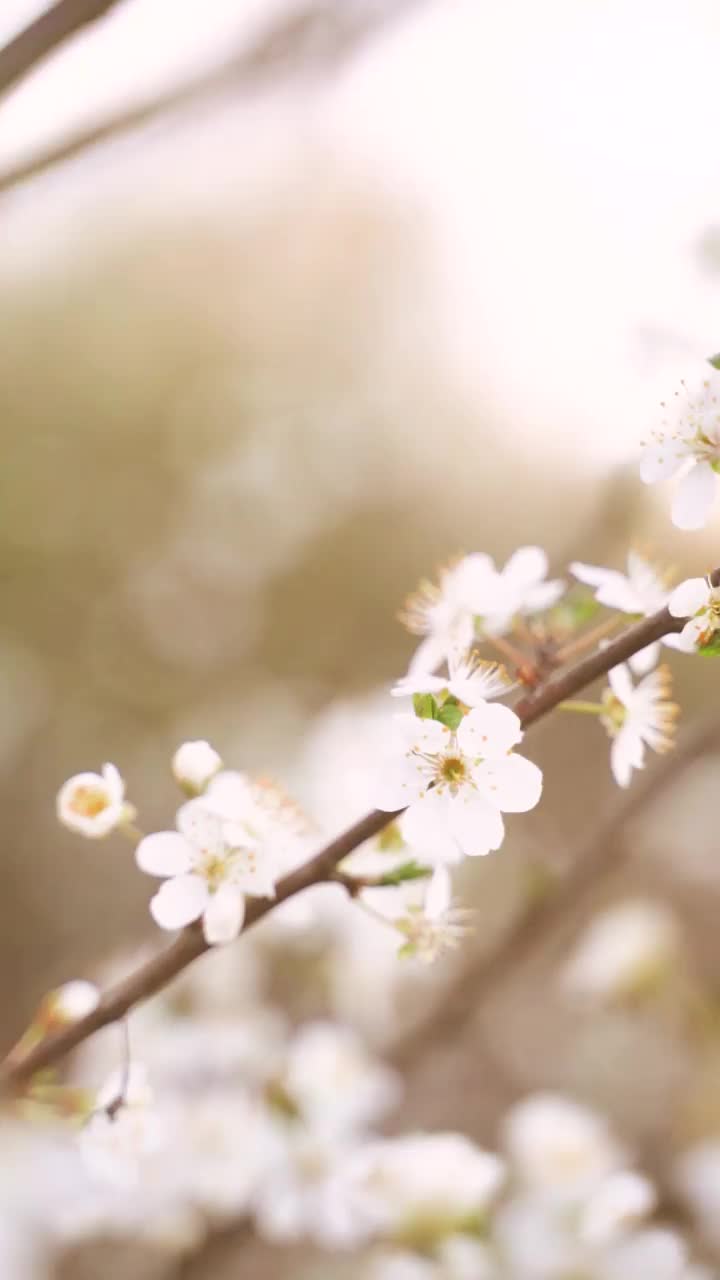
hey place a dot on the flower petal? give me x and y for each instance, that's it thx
(199, 825)
(178, 902)
(437, 898)
(688, 597)
(512, 784)
(620, 682)
(425, 827)
(526, 567)
(694, 497)
(418, 682)
(661, 461)
(626, 753)
(399, 782)
(489, 731)
(224, 916)
(543, 596)
(164, 854)
(645, 659)
(476, 824)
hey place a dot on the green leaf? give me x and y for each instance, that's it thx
(450, 714)
(406, 871)
(712, 648)
(425, 706)
(714, 361)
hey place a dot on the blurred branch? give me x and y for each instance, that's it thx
(315, 37)
(46, 33)
(544, 913)
(190, 944)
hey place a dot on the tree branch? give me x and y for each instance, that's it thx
(46, 33)
(160, 970)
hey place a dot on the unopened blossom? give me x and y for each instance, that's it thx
(643, 590)
(194, 764)
(558, 1146)
(210, 864)
(699, 601)
(626, 950)
(74, 1000)
(123, 1129)
(518, 589)
(444, 613)
(637, 716)
(693, 446)
(334, 1083)
(469, 680)
(93, 804)
(456, 785)
(438, 1178)
(437, 925)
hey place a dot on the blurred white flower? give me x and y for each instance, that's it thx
(637, 716)
(469, 680)
(625, 951)
(333, 1080)
(194, 764)
(697, 600)
(212, 864)
(123, 1130)
(653, 1254)
(558, 1146)
(442, 1179)
(306, 1194)
(474, 777)
(437, 925)
(519, 588)
(642, 590)
(220, 1149)
(464, 1258)
(400, 1265)
(697, 1177)
(621, 1201)
(694, 444)
(93, 804)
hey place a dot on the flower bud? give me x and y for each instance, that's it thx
(194, 764)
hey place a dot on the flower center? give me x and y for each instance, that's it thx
(88, 802)
(452, 769)
(614, 713)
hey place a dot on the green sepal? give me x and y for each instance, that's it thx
(714, 361)
(406, 871)
(712, 648)
(450, 714)
(425, 706)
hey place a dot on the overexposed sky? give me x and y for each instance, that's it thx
(565, 152)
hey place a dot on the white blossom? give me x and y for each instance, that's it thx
(621, 1201)
(306, 1193)
(699, 601)
(444, 614)
(642, 590)
(124, 1128)
(692, 446)
(637, 716)
(625, 950)
(474, 777)
(333, 1080)
(437, 925)
(211, 865)
(653, 1254)
(93, 804)
(443, 1178)
(264, 810)
(519, 588)
(194, 764)
(558, 1146)
(74, 1000)
(470, 680)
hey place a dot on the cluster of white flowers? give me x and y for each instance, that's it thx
(692, 446)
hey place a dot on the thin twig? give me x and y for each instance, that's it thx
(160, 970)
(45, 34)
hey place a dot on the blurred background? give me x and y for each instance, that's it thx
(344, 289)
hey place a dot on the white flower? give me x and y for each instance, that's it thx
(443, 1178)
(335, 1083)
(519, 588)
(698, 600)
(443, 614)
(556, 1145)
(436, 927)
(211, 863)
(474, 777)
(694, 446)
(74, 1000)
(194, 764)
(625, 950)
(652, 1254)
(306, 1193)
(264, 810)
(123, 1130)
(623, 1200)
(637, 716)
(642, 590)
(92, 804)
(469, 680)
